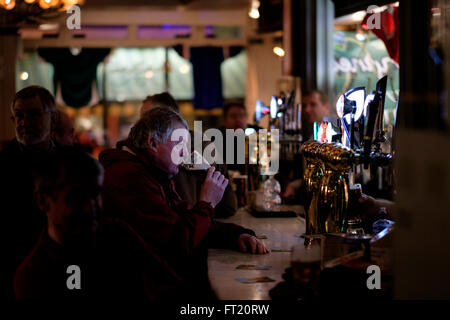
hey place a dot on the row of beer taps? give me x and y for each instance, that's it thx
(327, 164)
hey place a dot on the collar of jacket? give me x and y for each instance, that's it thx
(160, 175)
(17, 147)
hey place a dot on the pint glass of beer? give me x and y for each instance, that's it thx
(306, 264)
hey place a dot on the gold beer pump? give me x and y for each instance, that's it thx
(333, 197)
(328, 164)
(327, 187)
(312, 177)
(326, 182)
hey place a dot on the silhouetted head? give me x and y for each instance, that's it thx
(163, 100)
(235, 116)
(67, 188)
(63, 129)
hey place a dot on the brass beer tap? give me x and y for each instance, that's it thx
(312, 177)
(326, 182)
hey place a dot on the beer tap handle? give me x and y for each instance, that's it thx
(352, 126)
(369, 128)
(381, 93)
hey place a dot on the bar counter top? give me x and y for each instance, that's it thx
(281, 233)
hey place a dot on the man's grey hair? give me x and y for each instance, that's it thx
(157, 123)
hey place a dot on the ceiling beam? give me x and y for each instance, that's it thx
(130, 42)
(160, 17)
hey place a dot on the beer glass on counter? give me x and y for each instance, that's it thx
(239, 184)
(306, 265)
(354, 218)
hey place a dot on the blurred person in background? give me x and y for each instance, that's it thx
(87, 141)
(63, 132)
(157, 100)
(315, 108)
(235, 118)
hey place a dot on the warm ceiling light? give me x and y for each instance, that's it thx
(85, 123)
(70, 2)
(46, 4)
(23, 76)
(66, 4)
(254, 12)
(184, 69)
(149, 74)
(8, 4)
(48, 26)
(33, 10)
(278, 51)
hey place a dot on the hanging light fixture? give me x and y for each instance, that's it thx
(47, 4)
(8, 4)
(278, 51)
(184, 69)
(66, 4)
(15, 12)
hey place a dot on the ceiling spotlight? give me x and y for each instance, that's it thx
(184, 69)
(149, 74)
(278, 51)
(254, 12)
(45, 4)
(23, 76)
(8, 4)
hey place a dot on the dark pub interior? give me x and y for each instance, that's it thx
(197, 152)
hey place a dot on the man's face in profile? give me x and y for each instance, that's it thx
(31, 121)
(163, 152)
(313, 109)
(236, 118)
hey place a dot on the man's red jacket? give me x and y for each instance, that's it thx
(140, 193)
